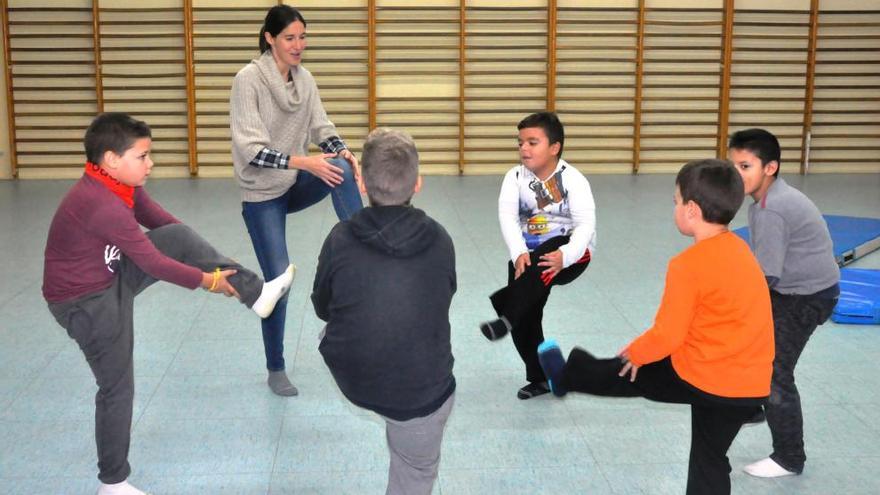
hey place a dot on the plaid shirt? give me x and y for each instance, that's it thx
(269, 158)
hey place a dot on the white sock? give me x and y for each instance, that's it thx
(273, 290)
(122, 488)
(767, 468)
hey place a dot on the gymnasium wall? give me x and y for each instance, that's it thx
(461, 102)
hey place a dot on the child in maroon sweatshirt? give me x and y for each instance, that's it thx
(98, 259)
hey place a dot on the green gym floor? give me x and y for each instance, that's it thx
(206, 423)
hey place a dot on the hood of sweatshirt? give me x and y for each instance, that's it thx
(287, 94)
(399, 231)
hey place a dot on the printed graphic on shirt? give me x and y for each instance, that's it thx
(537, 219)
(111, 257)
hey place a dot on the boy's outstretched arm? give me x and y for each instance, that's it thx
(217, 282)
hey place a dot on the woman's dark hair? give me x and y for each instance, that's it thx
(277, 20)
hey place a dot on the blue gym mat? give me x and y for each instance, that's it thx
(859, 297)
(853, 237)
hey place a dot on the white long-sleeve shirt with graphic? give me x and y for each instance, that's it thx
(532, 211)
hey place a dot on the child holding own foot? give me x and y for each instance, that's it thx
(98, 259)
(548, 220)
(793, 246)
(711, 345)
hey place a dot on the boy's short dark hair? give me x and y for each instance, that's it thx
(714, 185)
(761, 143)
(549, 122)
(390, 165)
(113, 131)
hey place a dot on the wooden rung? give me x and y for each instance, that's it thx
(771, 24)
(140, 22)
(47, 22)
(847, 86)
(844, 148)
(51, 10)
(848, 62)
(119, 36)
(771, 36)
(142, 88)
(747, 61)
(154, 61)
(86, 49)
(676, 123)
(817, 135)
(871, 161)
(676, 10)
(111, 75)
(52, 62)
(43, 36)
(849, 123)
(18, 87)
(139, 10)
(649, 22)
(865, 49)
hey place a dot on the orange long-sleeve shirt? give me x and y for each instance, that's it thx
(714, 320)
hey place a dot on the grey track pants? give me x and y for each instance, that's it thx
(414, 446)
(102, 325)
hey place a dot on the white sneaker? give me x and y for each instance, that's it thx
(273, 290)
(122, 488)
(767, 468)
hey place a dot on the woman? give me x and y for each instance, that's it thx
(275, 112)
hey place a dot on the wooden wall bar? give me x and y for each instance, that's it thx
(726, 64)
(10, 95)
(641, 87)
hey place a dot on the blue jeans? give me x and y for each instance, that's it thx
(266, 224)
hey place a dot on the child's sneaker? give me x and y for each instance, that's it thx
(552, 363)
(273, 290)
(532, 390)
(495, 329)
(767, 468)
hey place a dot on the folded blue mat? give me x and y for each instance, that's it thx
(859, 297)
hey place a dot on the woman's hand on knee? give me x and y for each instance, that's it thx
(352, 159)
(318, 166)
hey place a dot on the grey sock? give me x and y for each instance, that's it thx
(280, 384)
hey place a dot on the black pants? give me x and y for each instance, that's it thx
(102, 325)
(795, 318)
(715, 421)
(522, 303)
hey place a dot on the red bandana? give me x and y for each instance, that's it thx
(125, 192)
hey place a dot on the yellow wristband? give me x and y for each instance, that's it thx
(216, 279)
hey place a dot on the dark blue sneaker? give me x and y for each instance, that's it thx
(552, 363)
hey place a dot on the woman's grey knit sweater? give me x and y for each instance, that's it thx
(267, 111)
